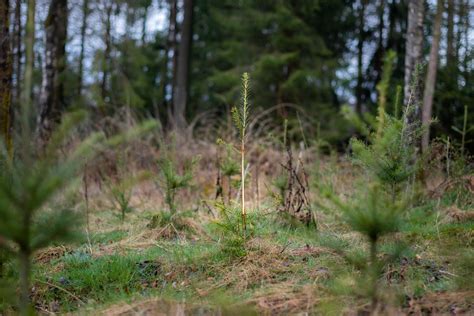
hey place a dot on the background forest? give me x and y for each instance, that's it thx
(175, 60)
(217, 157)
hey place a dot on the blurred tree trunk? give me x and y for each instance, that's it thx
(145, 20)
(52, 90)
(450, 49)
(413, 52)
(431, 76)
(164, 112)
(381, 25)
(85, 14)
(29, 55)
(360, 54)
(181, 89)
(466, 11)
(6, 70)
(17, 31)
(107, 51)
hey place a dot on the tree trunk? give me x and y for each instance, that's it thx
(450, 49)
(381, 26)
(24, 267)
(170, 66)
(145, 19)
(52, 90)
(18, 30)
(6, 70)
(360, 52)
(431, 76)
(107, 51)
(85, 14)
(466, 13)
(181, 89)
(29, 58)
(414, 52)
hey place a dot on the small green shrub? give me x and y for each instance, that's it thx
(172, 180)
(229, 228)
(388, 159)
(374, 214)
(27, 184)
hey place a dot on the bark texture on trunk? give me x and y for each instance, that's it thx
(52, 90)
(169, 71)
(6, 70)
(414, 50)
(431, 76)
(24, 267)
(17, 31)
(107, 52)
(29, 55)
(450, 46)
(85, 14)
(181, 89)
(360, 52)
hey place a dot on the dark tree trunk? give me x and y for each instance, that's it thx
(18, 30)
(6, 70)
(173, 45)
(180, 98)
(85, 14)
(52, 90)
(167, 79)
(145, 19)
(29, 55)
(431, 76)
(360, 54)
(450, 47)
(466, 11)
(107, 52)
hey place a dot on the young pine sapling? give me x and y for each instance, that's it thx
(240, 115)
(28, 183)
(171, 180)
(373, 214)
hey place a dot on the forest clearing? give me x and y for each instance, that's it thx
(201, 157)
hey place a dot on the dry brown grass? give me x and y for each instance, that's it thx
(452, 303)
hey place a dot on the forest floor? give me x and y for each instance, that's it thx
(148, 266)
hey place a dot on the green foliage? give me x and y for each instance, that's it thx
(292, 48)
(371, 212)
(374, 214)
(464, 131)
(241, 117)
(378, 209)
(389, 153)
(230, 227)
(464, 267)
(240, 114)
(388, 158)
(28, 183)
(121, 191)
(172, 180)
